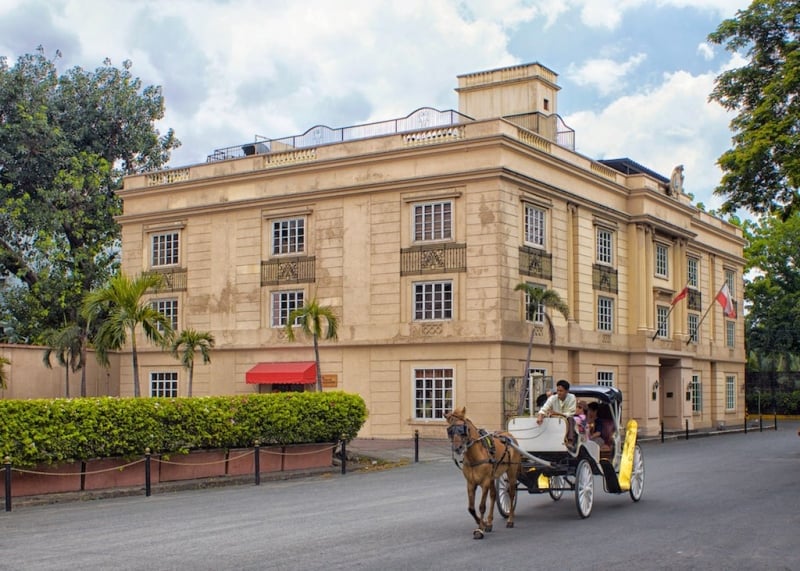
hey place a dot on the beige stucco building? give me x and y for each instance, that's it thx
(416, 232)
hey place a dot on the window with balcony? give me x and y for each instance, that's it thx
(164, 384)
(693, 272)
(433, 301)
(534, 226)
(283, 303)
(693, 325)
(730, 279)
(433, 393)
(164, 249)
(605, 314)
(433, 221)
(288, 236)
(662, 321)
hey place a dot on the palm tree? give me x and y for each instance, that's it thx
(187, 344)
(539, 297)
(122, 310)
(69, 346)
(3, 378)
(310, 318)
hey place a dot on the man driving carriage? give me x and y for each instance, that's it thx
(563, 404)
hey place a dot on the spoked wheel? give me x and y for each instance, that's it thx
(584, 488)
(504, 503)
(556, 487)
(637, 475)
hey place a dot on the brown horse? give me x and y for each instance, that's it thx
(485, 457)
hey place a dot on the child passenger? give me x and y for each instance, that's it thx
(580, 418)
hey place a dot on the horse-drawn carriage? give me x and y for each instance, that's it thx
(550, 465)
(538, 458)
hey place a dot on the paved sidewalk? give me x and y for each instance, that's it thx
(399, 450)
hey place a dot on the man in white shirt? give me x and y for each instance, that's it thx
(562, 403)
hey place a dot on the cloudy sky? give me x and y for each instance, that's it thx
(635, 74)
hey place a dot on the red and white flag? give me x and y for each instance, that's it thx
(724, 299)
(681, 294)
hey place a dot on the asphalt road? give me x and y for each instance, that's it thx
(723, 502)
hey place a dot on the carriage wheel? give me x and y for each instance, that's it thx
(637, 475)
(556, 487)
(584, 488)
(504, 504)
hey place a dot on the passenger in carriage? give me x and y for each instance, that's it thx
(563, 404)
(601, 425)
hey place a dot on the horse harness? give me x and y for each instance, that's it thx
(486, 439)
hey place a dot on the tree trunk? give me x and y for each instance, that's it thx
(316, 357)
(191, 376)
(523, 390)
(83, 369)
(66, 380)
(137, 392)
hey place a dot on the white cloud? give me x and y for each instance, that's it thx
(605, 75)
(706, 51)
(671, 124)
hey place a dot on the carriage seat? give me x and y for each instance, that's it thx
(532, 437)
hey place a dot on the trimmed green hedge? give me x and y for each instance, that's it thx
(51, 431)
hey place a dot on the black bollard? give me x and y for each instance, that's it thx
(416, 446)
(257, 463)
(344, 456)
(8, 483)
(662, 433)
(147, 472)
(687, 429)
(761, 423)
(745, 424)
(776, 421)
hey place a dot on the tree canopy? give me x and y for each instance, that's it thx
(761, 172)
(65, 143)
(773, 292)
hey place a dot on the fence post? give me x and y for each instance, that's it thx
(776, 421)
(745, 424)
(416, 445)
(147, 487)
(760, 423)
(344, 455)
(662, 432)
(8, 483)
(687, 429)
(257, 462)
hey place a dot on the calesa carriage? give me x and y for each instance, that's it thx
(538, 458)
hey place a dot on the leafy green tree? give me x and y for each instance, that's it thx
(65, 143)
(546, 299)
(3, 375)
(119, 310)
(187, 343)
(69, 347)
(761, 171)
(773, 292)
(320, 322)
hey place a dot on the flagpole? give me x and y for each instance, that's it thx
(699, 323)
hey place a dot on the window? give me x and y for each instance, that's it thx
(730, 279)
(283, 303)
(605, 246)
(605, 314)
(605, 378)
(288, 236)
(693, 324)
(697, 394)
(534, 226)
(662, 320)
(730, 334)
(662, 260)
(433, 221)
(168, 307)
(693, 269)
(433, 393)
(165, 249)
(534, 313)
(433, 300)
(164, 384)
(730, 392)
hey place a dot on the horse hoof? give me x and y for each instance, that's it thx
(477, 534)
(509, 524)
(487, 528)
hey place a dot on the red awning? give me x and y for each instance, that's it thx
(297, 372)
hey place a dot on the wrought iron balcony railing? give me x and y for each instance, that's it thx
(604, 278)
(294, 270)
(433, 259)
(535, 263)
(175, 279)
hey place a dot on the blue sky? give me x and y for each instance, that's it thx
(635, 74)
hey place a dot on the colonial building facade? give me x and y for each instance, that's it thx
(415, 231)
